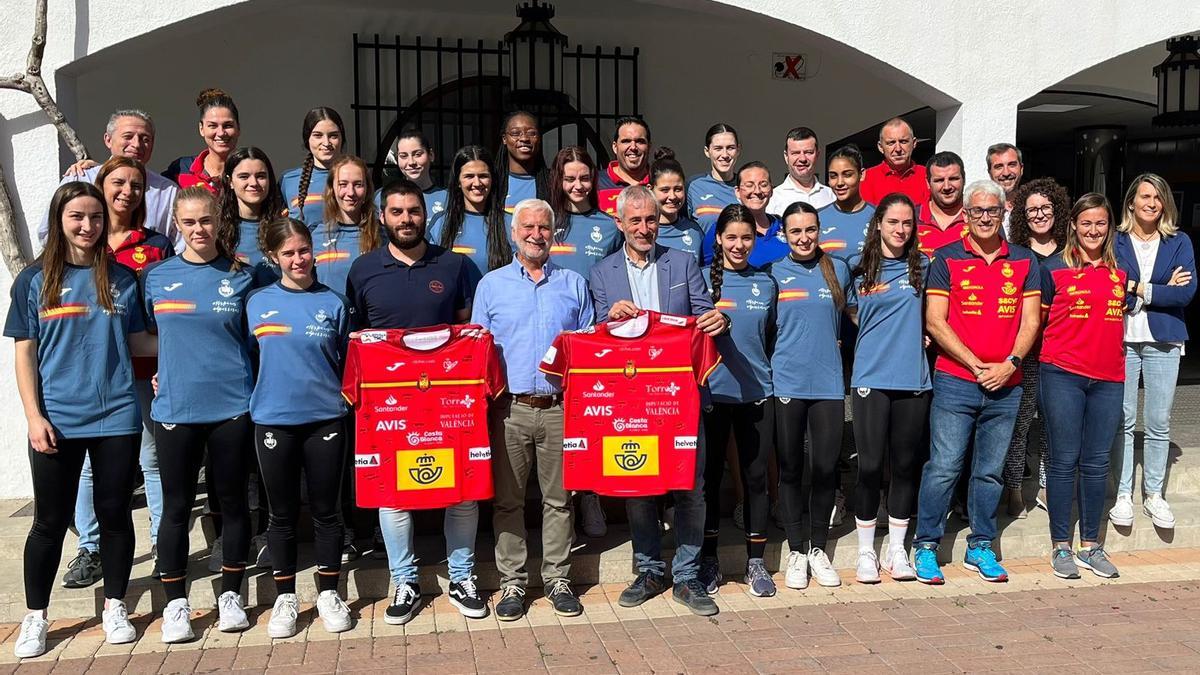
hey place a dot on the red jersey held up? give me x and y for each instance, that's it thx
(1085, 327)
(881, 180)
(931, 237)
(610, 185)
(632, 403)
(421, 399)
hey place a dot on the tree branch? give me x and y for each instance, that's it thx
(10, 247)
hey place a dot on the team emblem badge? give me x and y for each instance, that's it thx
(1009, 288)
(1007, 270)
(1118, 291)
(226, 289)
(1112, 276)
(631, 458)
(630, 370)
(269, 441)
(754, 290)
(687, 238)
(423, 382)
(596, 235)
(113, 290)
(139, 255)
(321, 315)
(425, 473)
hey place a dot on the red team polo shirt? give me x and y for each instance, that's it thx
(985, 301)
(1084, 329)
(632, 403)
(931, 237)
(420, 399)
(610, 185)
(195, 174)
(881, 181)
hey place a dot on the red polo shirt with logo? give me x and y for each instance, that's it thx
(985, 301)
(1084, 327)
(881, 180)
(610, 185)
(930, 235)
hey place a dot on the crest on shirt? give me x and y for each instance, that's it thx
(436, 286)
(1112, 276)
(321, 316)
(113, 290)
(754, 290)
(139, 255)
(269, 441)
(1007, 271)
(449, 365)
(226, 289)
(423, 382)
(654, 353)
(1118, 291)
(687, 238)
(596, 235)
(630, 370)
(1009, 288)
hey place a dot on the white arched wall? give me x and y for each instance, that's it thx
(974, 67)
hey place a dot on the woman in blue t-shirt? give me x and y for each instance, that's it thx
(676, 229)
(741, 392)
(806, 371)
(413, 157)
(351, 223)
(890, 381)
(323, 136)
(299, 328)
(520, 168)
(844, 222)
(77, 403)
(708, 193)
(473, 223)
(196, 302)
(249, 198)
(583, 234)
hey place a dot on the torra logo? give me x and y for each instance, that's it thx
(425, 473)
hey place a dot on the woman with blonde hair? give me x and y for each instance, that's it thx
(1161, 269)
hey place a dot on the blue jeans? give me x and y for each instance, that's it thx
(1158, 364)
(85, 512)
(688, 529)
(962, 410)
(461, 522)
(1081, 417)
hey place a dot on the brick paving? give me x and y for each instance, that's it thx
(1144, 621)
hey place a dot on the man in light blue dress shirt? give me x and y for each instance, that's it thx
(525, 305)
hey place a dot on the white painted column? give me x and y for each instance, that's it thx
(971, 126)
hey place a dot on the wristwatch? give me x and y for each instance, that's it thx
(728, 320)
(1015, 360)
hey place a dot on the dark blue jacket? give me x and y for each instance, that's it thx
(681, 287)
(1166, 314)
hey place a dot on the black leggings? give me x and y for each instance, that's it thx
(891, 424)
(753, 427)
(823, 420)
(55, 486)
(319, 448)
(181, 453)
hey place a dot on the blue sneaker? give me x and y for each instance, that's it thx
(981, 558)
(928, 570)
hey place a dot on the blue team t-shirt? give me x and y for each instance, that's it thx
(843, 234)
(247, 249)
(890, 349)
(707, 197)
(768, 246)
(521, 186)
(471, 240)
(199, 311)
(748, 297)
(85, 370)
(301, 347)
(313, 213)
(684, 235)
(334, 251)
(806, 362)
(587, 239)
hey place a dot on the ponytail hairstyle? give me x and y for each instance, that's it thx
(276, 231)
(824, 260)
(558, 197)
(665, 162)
(225, 248)
(228, 232)
(368, 218)
(1072, 253)
(719, 128)
(872, 256)
(499, 249)
(122, 162)
(417, 135)
(216, 98)
(850, 153)
(54, 256)
(734, 213)
(314, 116)
(541, 175)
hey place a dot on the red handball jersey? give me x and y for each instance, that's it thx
(632, 391)
(421, 400)
(1085, 325)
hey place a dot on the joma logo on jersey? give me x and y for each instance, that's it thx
(598, 410)
(391, 425)
(425, 470)
(631, 456)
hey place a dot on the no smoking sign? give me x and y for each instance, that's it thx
(789, 67)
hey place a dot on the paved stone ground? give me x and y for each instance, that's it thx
(1144, 621)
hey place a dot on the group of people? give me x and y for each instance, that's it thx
(212, 305)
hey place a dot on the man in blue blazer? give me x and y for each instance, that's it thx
(646, 276)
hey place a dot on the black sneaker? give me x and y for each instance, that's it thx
(350, 552)
(378, 548)
(694, 596)
(404, 604)
(512, 603)
(84, 570)
(564, 601)
(465, 596)
(645, 586)
(710, 573)
(155, 573)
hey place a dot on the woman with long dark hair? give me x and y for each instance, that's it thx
(414, 157)
(806, 377)
(473, 223)
(708, 193)
(520, 168)
(741, 394)
(583, 234)
(249, 199)
(77, 404)
(844, 223)
(322, 135)
(676, 229)
(220, 129)
(890, 382)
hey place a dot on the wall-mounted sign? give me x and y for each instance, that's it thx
(789, 67)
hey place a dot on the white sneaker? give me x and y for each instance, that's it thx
(867, 571)
(821, 569)
(797, 571)
(897, 565)
(1159, 511)
(738, 521)
(216, 556)
(283, 616)
(1121, 514)
(32, 640)
(232, 614)
(260, 552)
(592, 516)
(838, 514)
(333, 612)
(117, 629)
(177, 622)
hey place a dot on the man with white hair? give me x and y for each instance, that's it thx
(983, 309)
(525, 305)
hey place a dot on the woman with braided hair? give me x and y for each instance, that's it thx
(303, 187)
